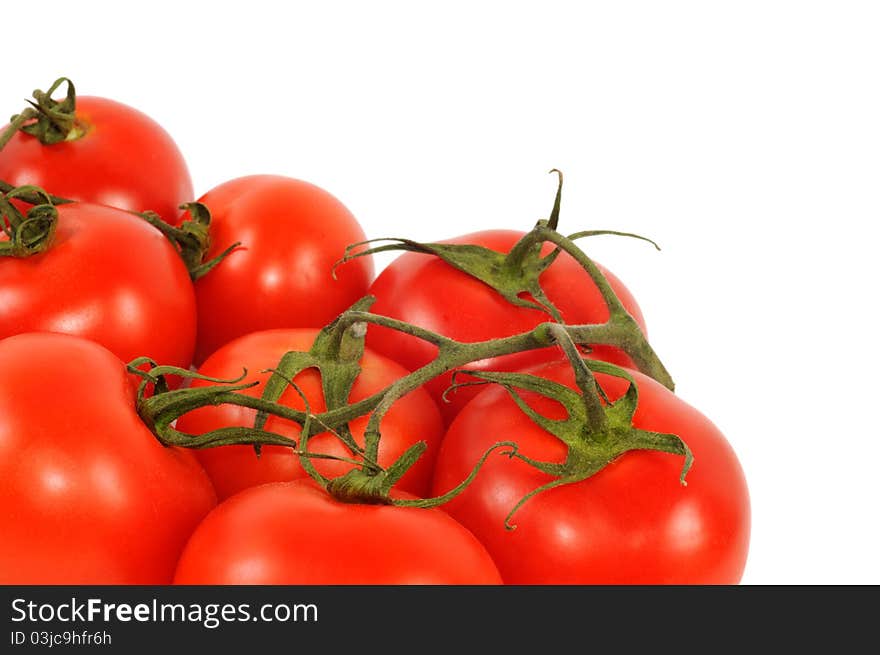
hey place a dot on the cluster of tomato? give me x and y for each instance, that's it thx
(88, 494)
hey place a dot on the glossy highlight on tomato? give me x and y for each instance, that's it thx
(428, 292)
(124, 159)
(87, 493)
(296, 533)
(413, 418)
(291, 233)
(631, 523)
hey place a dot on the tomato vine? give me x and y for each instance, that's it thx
(596, 431)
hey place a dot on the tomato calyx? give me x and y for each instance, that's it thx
(159, 407)
(596, 431)
(192, 239)
(49, 120)
(374, 487)
(516, 277)
(336, 354)
(27, 234)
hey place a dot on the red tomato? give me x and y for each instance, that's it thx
(426, 291)
(107, 276)
(296, 533)
(125, 160)
(87, 494)
(631, 523)
(292, 233)
(411, 419)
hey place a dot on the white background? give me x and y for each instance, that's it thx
(743, 136)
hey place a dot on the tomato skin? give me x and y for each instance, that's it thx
(296, 533)
(87, 494)
(424, 290)
(107, 276)
(413, 418)
(124, 160)
(292, 232)
(631, 523)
